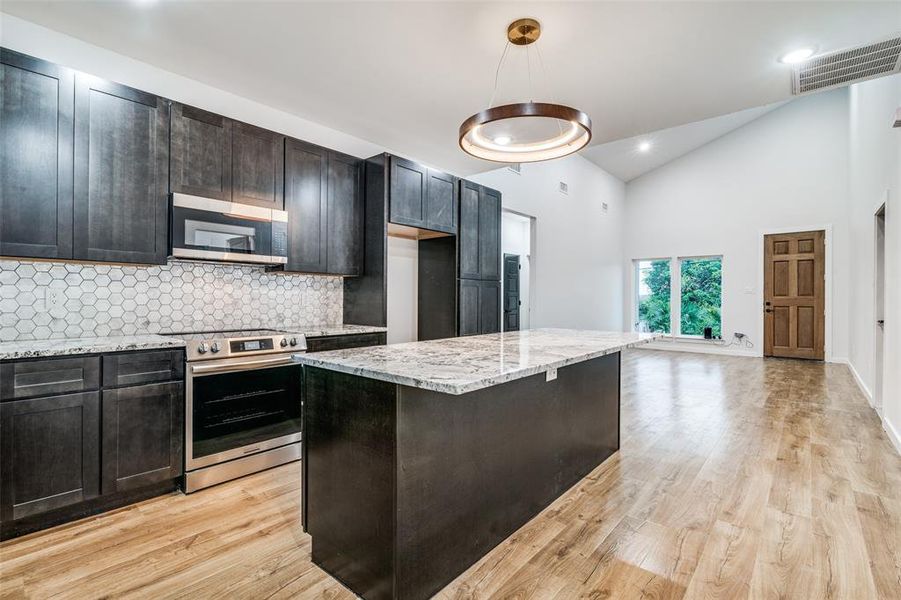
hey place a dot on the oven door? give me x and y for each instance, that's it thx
(240, 406)
(217, 230)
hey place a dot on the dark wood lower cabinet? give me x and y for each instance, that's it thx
(143, 440)
(480, 307)
(340, 342)
(50, 451)
(70, 455)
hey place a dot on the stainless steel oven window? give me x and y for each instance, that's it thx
(208, 369)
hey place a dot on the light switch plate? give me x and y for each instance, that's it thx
(550, 375)
(54, 298)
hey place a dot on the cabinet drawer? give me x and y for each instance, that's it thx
(339, 342)
(136, 368)
(49, 377)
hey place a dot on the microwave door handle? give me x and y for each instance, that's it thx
(242, 366)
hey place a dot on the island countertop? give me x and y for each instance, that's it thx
(465, 364)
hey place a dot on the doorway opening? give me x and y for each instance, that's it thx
(879, 307)
(794, 293)
(517, 235)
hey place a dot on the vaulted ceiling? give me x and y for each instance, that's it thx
(405, 75)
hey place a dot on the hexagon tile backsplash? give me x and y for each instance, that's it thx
(44, 300)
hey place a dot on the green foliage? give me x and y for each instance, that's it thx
(701, 296)
(654, 309)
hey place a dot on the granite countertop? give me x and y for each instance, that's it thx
(324, 330)
(95, 345)
(465, 364)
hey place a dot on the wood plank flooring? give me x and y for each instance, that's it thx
(737, 478)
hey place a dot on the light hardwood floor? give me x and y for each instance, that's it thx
(737, 478)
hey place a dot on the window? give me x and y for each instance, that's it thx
(653, 295)
(701, 295)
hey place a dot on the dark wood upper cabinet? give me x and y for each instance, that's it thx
(143, 435)
(324, 202)
(441, 202)
(407, 199)
(258, 166)
(121, 173)
(480, 232)
(306, 202)
(36, 128)
(49, 453)
(201, 147)
(345, 214)
(421, 197)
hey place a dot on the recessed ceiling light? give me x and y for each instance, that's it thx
(502, 140)
(796, 56)
(644, 146)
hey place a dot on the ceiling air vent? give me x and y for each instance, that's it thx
(847, 66)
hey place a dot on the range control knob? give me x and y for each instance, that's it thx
(294, 341)
(284, 342)
(215, 347)
(202, 348)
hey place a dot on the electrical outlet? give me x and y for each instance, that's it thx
(550, 375)
(54, 298)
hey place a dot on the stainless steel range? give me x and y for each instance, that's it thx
(243, 403)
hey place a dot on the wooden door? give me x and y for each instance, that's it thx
(489, 234)
(36, 103)
(345, 215)
(408, 193)
(441, 202)
(143, 435)
(468, 238)
(511, 292)
(49, 453)
(794, 295)
(201, 153)
(258, 166)
(121, 173)
(306, 201)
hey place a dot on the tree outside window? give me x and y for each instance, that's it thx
(653, 277)
(702, 280)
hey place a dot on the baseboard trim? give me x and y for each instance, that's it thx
(702, 348)
(860, 383)
(893, 435)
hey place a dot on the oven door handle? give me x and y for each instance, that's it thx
(242, 366)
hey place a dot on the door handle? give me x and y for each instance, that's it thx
(769, 310)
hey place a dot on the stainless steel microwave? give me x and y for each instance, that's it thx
(211, 229)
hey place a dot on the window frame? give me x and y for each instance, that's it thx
(675, 300)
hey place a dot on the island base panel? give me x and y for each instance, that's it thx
(406, 487)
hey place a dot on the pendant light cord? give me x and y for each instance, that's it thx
(497, 73)
(529, 71)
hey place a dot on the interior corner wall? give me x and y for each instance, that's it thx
(787, 169)
(875, 177)
(577, 250)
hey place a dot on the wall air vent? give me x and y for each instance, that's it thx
(563, 187)
(516, 168)
(844, 67)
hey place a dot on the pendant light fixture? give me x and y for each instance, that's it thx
(526, 131)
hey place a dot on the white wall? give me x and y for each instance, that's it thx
(50, 45)
(577, 250)
(787, 169)
(403, 290)
(516, 238)
(875, 177)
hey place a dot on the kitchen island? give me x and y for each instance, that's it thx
(419, 458)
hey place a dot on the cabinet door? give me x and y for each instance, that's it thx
(489, 306)
(441, 202)
(345, 215)
(143, 435)
(469, 307)
(258, 166)
(341, 342)
(121, 173)
(36, 103)
(468, 238)
(49, 453)
(201, 153)
(489, 234)
(306, 202)
(408, 193)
